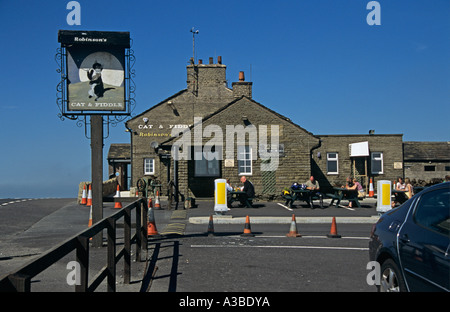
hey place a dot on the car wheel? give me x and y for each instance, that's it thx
(391, 279)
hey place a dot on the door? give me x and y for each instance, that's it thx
(423, 243)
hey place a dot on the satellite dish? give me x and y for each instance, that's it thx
(154, 145)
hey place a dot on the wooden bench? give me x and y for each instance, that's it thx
(343, 194)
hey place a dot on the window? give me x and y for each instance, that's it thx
(429, 168)
(271, 148)
(377, 163)
(205, 167)
(332, 163)
(244, 160)
(149, 166)
(432, 211)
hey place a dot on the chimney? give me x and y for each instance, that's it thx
(242, 87)
(205, 74)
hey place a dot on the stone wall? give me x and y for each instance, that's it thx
(109, 188)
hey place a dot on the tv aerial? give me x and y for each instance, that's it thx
(194, 32)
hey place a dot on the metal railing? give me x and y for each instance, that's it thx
(20, 280)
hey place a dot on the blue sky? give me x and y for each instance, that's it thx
(317, 62)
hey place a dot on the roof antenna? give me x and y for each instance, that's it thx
(194, 32)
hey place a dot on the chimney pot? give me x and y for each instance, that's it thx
(200, 61)
(241, 76)
(210, 60)
(219, 59)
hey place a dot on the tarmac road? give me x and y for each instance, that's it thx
(184, 259)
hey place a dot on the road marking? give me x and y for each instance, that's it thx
(174, 228)
(348, 208)
(285, 207)
(280, 247)
(311, 236)
(179, 214)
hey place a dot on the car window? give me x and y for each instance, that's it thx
(433, 211)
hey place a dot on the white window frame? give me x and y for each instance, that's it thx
(376, 156)
(336, 159)
(149, 166)
(244, 155)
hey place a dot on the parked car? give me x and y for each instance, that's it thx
(411, 243)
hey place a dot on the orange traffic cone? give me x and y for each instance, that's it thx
(247, 228)
(90, 218)
(89, 198)
(151, 226)
(150, 203)
(157, 204)
(118, 204)
(83, 196)
(333, 232)
(293, 230)
(371, 192)
(211, 226)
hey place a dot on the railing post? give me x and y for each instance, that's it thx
(82, 255)
(22, 283)
(111, 270)
(127, 246)
(138, 231)
(144, 239)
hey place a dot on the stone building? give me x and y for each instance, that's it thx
(381, 158)
(119, 161)
(220, 132)
(209, 99)
(427, 162)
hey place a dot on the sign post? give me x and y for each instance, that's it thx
(96, 71)
(97, 174)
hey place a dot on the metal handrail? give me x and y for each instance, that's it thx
(20, 280)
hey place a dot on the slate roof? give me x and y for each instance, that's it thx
(119, 151)
(426, 151)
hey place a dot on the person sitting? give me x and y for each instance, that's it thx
(350, 186)
(249, 191)
(359, 188)
(408, 188)
(313, 184)
(400, 186)
(229, 189)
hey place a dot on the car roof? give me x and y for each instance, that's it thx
(437, 186)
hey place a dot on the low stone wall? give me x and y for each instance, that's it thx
(109, 188)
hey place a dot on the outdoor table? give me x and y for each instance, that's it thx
(304, 195)
(399, 196)
(236, 196)
(344, 194)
